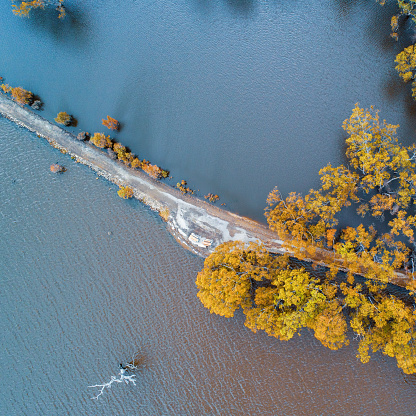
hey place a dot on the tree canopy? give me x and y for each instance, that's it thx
(380, 180)
(282, 300)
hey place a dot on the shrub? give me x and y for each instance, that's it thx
(101, 140)
(152, 170)
(21, 96)
(111, 123)
(164, 213)
(63, 118)
(125, 192)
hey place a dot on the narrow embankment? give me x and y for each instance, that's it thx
(187, 214)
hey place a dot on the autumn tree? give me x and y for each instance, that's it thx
(275, 297)
(6, 88)
(231, 274)
(406, 66)
(21, 96)
(101, 140)
(23, 8)
(382, 323)
(407, 8)
(282, 300)
(136, 163)
(152, 170)
(380, 180)
(64, 118)
(125, 192)
(111, 123)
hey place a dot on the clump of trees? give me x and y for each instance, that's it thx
(64, 118)
(212, 197)
(19, 94)
(153, 170)
(283, 300)
(183, 187)
(379, 181)
(407, 8)
(23, 8)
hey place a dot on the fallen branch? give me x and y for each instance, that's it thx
(123, 378)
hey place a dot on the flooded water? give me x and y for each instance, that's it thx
(235, 96)
(88, 280)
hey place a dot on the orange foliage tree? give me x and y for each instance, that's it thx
(111, 123)
(152, 170)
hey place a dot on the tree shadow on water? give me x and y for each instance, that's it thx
(397, 92)
(242, 8)
(72, 28)
(345, 7)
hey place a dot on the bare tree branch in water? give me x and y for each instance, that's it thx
(123, 379)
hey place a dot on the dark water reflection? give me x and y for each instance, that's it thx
(236, 96)
(89, 279)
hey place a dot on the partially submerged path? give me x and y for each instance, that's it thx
(187, 214)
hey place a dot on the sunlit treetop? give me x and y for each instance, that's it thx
(379, 179)
(23, 8)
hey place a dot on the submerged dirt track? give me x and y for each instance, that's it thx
(187, 214)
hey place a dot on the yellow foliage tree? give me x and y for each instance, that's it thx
(101, 140)
(21, 96)
(23, 8)
(125, 192)
(63, 118)
(226, 282)
(406, 66)
(282, 300)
